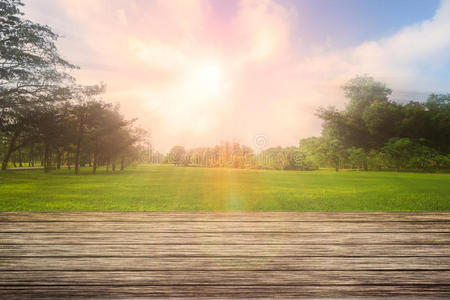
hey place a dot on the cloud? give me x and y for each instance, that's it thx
(195, 77)
(405, 56)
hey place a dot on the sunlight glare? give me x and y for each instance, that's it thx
(206, 80)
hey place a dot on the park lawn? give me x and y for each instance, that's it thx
(168, 188)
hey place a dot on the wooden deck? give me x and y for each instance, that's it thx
(48, 255)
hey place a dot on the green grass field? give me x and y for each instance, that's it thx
(167, 188)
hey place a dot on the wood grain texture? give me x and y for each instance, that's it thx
(209, 277)
(198, 292)
(229, 227)
(224, 250)
(183, 238)
(126, 263)
(224, 216)
(162, 254)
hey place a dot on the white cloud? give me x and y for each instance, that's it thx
(405, 57)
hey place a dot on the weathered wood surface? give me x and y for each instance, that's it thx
(229, 278)
(235, 263)
(224, 291)
(225, 250)
(48, 255)
(223, 216)
(260, 238)
(229, 227)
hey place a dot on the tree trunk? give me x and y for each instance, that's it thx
(58, 159)
(46, 158)
(9, 151)
(113, 165)
(107, 165)
(94, 166)
(336, 162)
(68, 160)
(20, 157)
(77, 156)
(122, 163)
(77, 152)
(30, 159)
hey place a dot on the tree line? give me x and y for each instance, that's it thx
(45, 117)
(371, 132)
(378, 133)
(225, 155)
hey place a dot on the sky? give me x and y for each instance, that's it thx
(196, 73)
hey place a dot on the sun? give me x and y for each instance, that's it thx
(206, 80)
(200, 92)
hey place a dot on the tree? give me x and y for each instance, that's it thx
(126, 138)
(177, 156)
(357, 158)
(400, 150)
(32, 72)
(82, 112)
(363, 91)
(438, 107)
(382, 121)
(363, 118)
(54, 129)
(29, 60)
(102, 122)
(310, 147)
(333, 151)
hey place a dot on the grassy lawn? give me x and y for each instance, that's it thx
(152, 188)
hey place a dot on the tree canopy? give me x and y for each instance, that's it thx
(44, 114)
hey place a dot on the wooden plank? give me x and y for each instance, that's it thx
(311, 227)
(223, 277)
(224, 254)
(224, 238)
(330, 291)
(224, 216)
(123, 263)
(224, 250)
